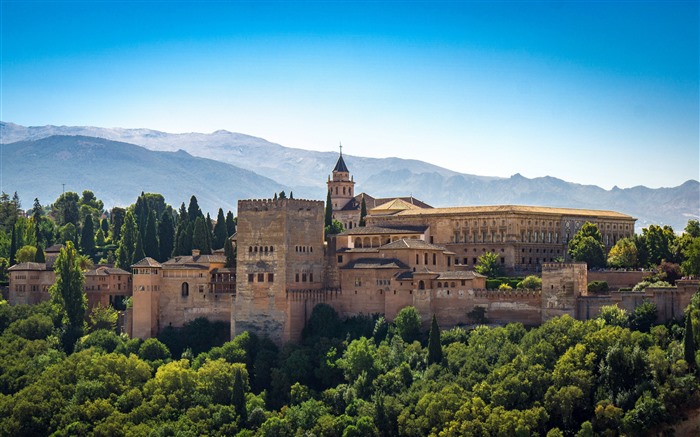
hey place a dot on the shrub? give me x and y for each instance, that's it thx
(531, 282)
(598, 287)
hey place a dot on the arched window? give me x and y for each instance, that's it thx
(250, 248)
(425, 259)
(439, 284)
(434, 258)
(421, 285)
(185, 289)
(358, 242)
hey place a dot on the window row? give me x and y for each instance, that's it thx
(261, 249)
(304, 277)
(260, 277)
(303, 249)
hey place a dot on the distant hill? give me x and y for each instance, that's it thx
(306, 172)
(118, 172)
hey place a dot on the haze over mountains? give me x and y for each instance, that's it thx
(222, 167)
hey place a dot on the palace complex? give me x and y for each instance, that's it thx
(408, 253)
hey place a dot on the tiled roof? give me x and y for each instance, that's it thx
(514, 209)
(199, 259)
(376, 263)
(374, 230)
(374, 202)
(147, 262)
(27, 266)
(55, 248)
(359, 250)
(393, 206)
(411, 244)
(460, 274)
(104, 271)
(224, 270)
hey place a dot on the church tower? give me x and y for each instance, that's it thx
(341, 186)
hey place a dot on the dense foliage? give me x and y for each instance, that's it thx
(362, 376)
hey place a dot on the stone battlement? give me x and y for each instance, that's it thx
(277, 205)
(548, 267)
(312, 293)
(502, 294)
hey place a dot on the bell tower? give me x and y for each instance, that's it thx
(341, 184)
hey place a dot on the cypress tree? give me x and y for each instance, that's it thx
(193, 210)
(210, 231)
(13, 246)
(141, 214)
(238, 396)
(434, 345)
(363, 212)
(104, 225)
(291, 195)
(87, 238)
(117, 221)
(329, 211)
(275, 197)
(139, 253)
(230, 254)
(199, 237)
(40, 256)
(230, 224)
(127, 244)
(219, 231)
(68, 295)
(689, 342)
(166, 237)
(150, 242)
(99, 238)
(283, 195)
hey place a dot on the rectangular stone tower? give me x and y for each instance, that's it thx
(562, 284)
(279, 250)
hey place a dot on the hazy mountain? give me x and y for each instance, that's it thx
(118, 172)
(307, 171)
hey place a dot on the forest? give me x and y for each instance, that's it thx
(362, 376)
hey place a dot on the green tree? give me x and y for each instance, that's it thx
(139, 253)
(363, 212)
(407, 324)
(230, 224)
(489, 265)
(66, 209)
(238, 396)
(103, 318)
(614, 316)
(166, 235)
(434, 345)
(219, 231)
(199, 236)
(230, 254)
(530, 282)
(99, 238)
(25, 254)
(643, 317)
(127, 244)
(659, 243)
(117, 216)
(68, 232)
(150, 242)
(329, 211)
(193, 211)
(335, 228)
(40, 255)
(67, 293)
(13, 245)
(691, 255)
(87, 238)
(623, 254)
(587, 246)
(689, 346)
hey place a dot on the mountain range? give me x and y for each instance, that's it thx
(222, 167)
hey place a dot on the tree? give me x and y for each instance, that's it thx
(40, 256)
(282, 195)
(489, 265)
(117, 216)
(691, 255)
(587, 246)
(103, 318)
(67, 293)
(434, 345)
(25, 254)
(614, 316)
(238, 396)
(166, 235)
(87, 238)
(139, 253)
(230, 254)
(150, 241)
(199, 236)
(127, 244)
(407, 324)
(329, 211)
(335, 228)
(689, 346)
(230, 224)
(219, 231)
(659, 242)
(13, 245)
(99, 238)
(643, 317)
(530, 282)
(363, 212)
(623, 254)
(66, 209)
(193, 210)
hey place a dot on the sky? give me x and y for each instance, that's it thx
(592, 92)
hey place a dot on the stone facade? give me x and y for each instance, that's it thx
(107, 286)
(30, 282)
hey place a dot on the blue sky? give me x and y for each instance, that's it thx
(592, 92)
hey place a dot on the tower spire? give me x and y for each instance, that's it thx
(341, 148)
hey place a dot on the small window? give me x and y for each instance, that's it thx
(251, 277)
(270, 277)
(311, 277)
(340, 258)
(261, 277)
(185, 289)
